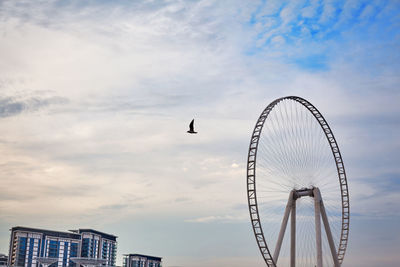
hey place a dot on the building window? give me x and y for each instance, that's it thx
(30, 254)
(53, 249)
(65, 256)
(21, 251)
(73, 252)
(53, 252)
(85, 248)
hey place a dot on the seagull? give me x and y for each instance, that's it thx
(191, 128)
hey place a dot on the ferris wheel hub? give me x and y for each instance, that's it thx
(303, 192)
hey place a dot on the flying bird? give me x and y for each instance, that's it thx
(191, 128)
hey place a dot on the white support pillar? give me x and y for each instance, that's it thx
(328, 232)
(283, 227)
(317, 211)
(293, 235)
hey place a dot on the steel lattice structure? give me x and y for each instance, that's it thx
(256, 221)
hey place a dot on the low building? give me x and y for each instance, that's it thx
(3, 259)
(140, 260)
(28, 244)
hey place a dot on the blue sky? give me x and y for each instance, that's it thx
(95, 98)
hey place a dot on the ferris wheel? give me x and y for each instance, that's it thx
(295, 169)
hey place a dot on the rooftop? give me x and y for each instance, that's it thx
(47, 232)
(144, 256)
(104, 235)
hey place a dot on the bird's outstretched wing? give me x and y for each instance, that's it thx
(191, 126)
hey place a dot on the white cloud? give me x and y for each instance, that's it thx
(235, 165)
(310, 11)
(328, 11)
(278, 40)
(222, 219)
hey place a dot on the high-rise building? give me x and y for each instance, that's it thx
(27, 244)
(139, 260)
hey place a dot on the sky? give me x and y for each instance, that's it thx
(96, 98)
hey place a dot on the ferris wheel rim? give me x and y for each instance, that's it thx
(251, 179)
